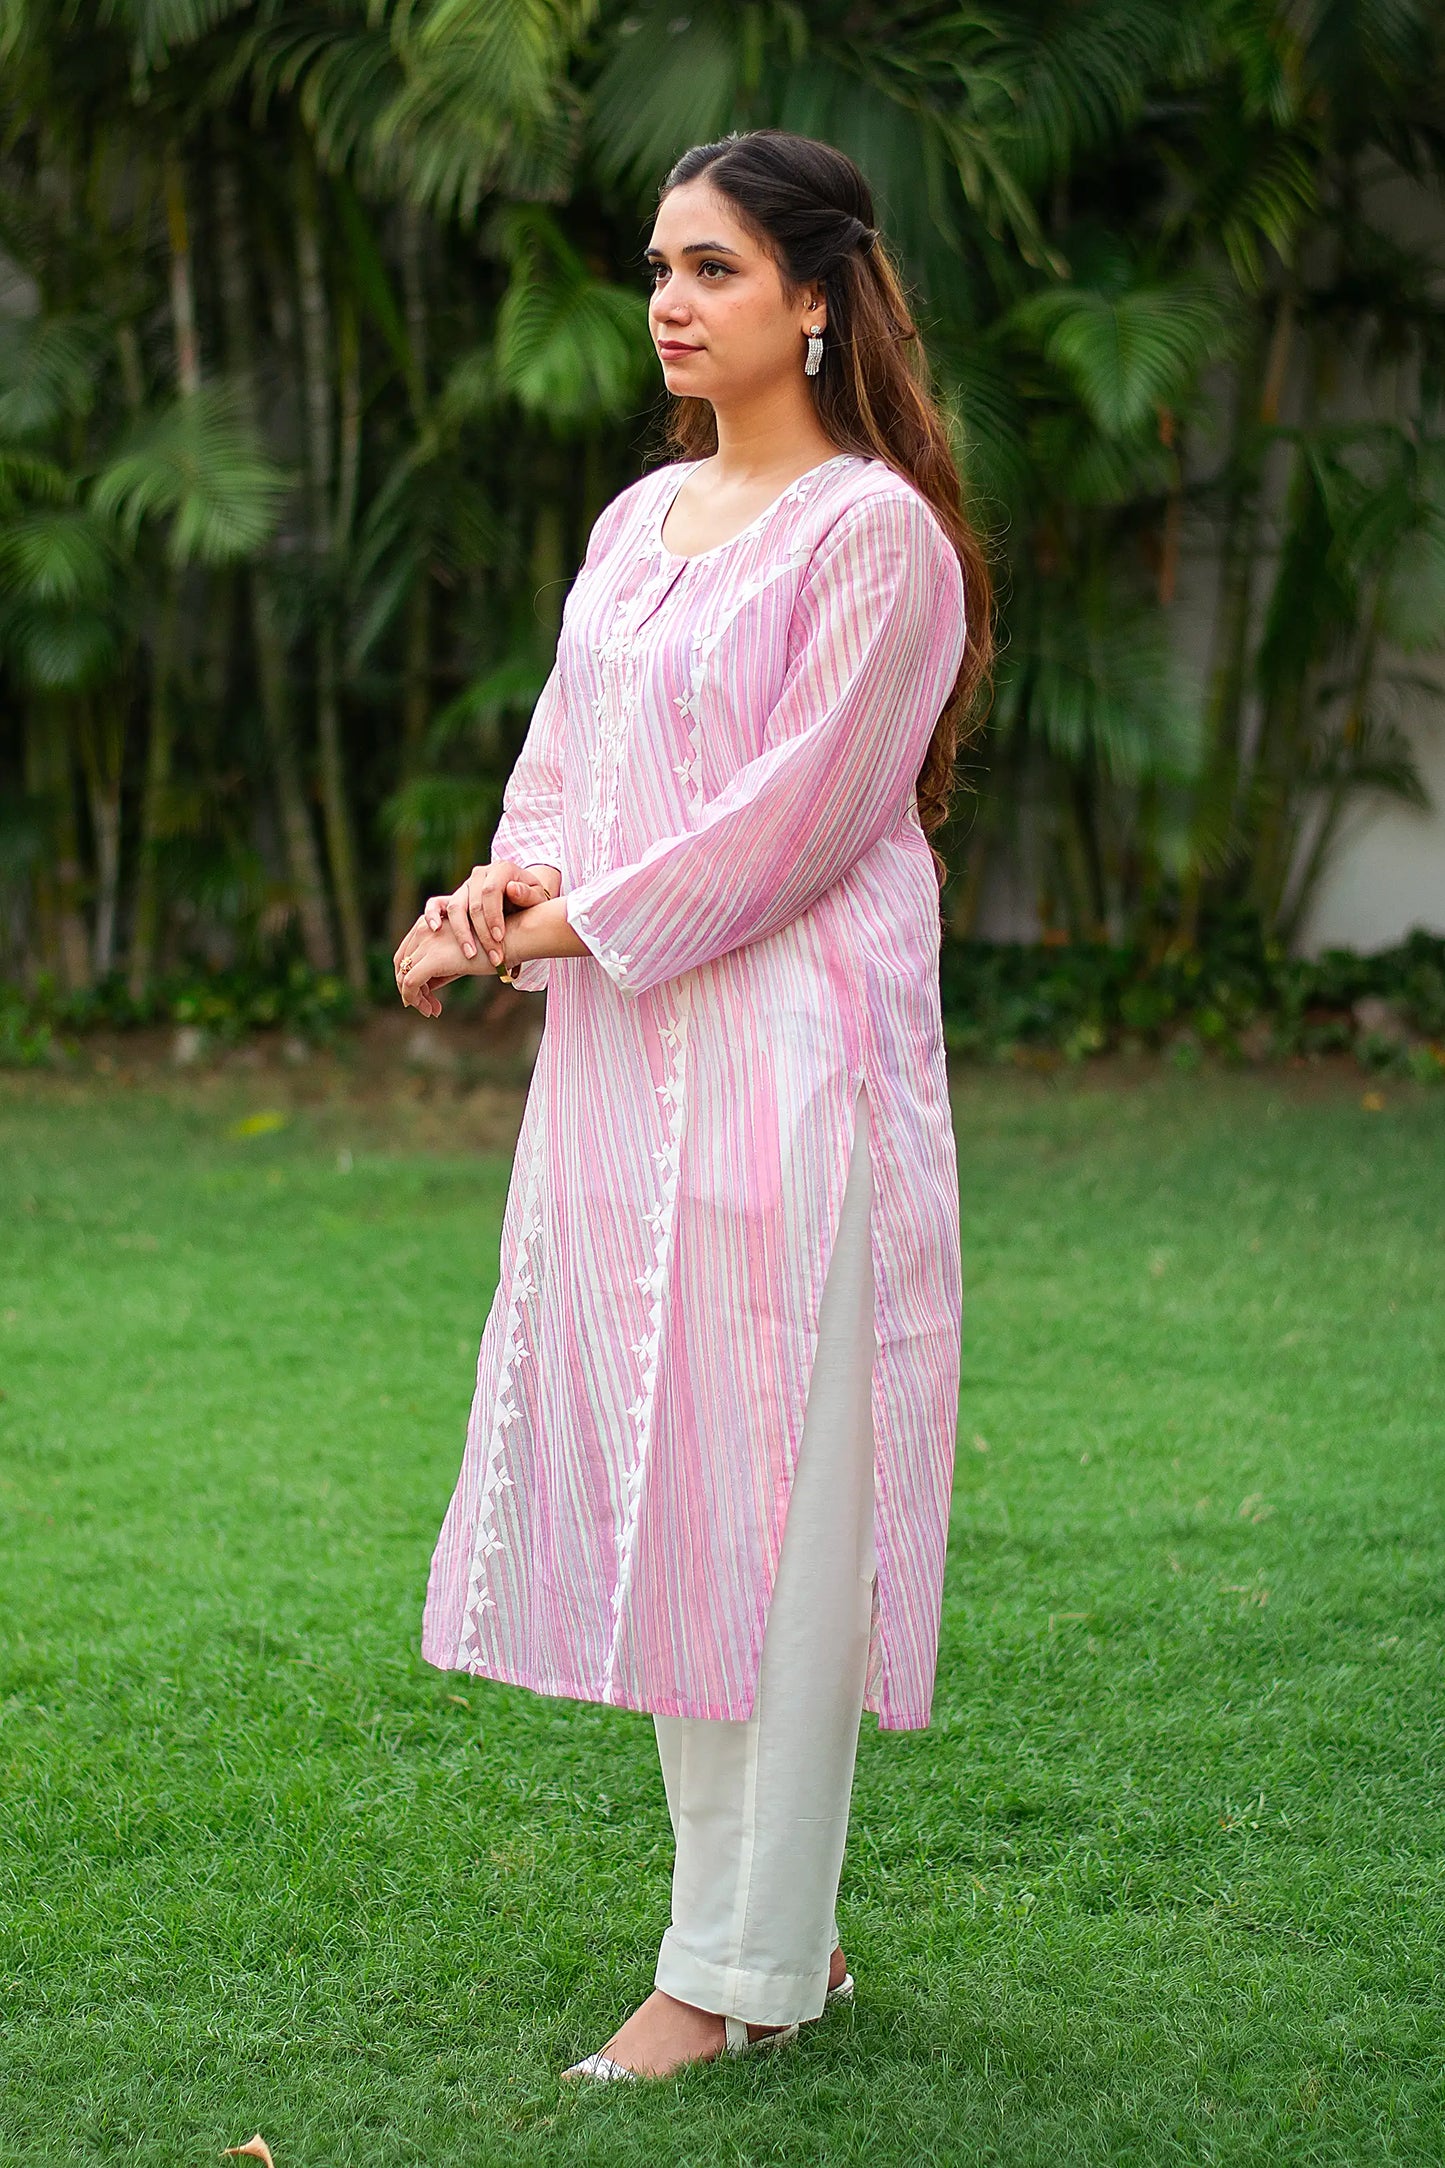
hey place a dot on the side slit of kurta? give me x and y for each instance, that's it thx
(759, 1809)
(858, 1093)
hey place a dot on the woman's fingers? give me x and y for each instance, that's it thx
(481, 896)
(476, 911)
(486, 891)
(412, 939)
(425, 963)
(460, 923)
(412, 976)
(525, 889)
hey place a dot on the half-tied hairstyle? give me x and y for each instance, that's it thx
(810, 208)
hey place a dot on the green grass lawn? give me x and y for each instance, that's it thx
(1162, 1884)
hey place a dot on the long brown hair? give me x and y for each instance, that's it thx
(811, 209)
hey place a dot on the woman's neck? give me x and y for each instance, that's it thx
(760, 444)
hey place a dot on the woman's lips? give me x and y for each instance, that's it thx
(670, 347)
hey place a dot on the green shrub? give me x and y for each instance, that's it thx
(224, 1004)
(1236, 996)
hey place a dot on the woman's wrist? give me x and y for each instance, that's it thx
(542, 930)
(549, 877)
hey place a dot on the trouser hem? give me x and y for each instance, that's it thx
(758, 1998)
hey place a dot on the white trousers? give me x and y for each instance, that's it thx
(760, 1808)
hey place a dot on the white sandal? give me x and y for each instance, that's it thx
(735, 2042)
(599, 2066)
(735, 2033)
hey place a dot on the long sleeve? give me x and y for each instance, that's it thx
(880, 616)
(530, 829)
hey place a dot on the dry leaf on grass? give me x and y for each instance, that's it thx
(264, 1124)
(256, 2147)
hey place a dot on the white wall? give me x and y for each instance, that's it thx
(1388, 875)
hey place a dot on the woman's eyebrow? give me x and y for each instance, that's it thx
(694, 248)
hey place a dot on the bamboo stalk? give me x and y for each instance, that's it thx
(330, 530)
(273, 672)
(102, 747)
(183, 291)
(416, 650)
(145, 921)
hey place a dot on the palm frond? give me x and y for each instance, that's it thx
(511, 687)
(1127, 354)
(483, 101)
(1076, 84)
(570, 348)
(1097, 683)
(28, 477)
(48, 368)
(198, 466)
(158, 28)
(1376, 754)
(56, 647)
(60, 556)
(342, 74)
(671, 80)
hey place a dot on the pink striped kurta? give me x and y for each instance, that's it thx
(722, 764)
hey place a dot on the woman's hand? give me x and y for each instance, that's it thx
(476, 912)
(429, 958)
(425, 963)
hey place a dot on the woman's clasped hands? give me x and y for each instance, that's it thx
(466, 934)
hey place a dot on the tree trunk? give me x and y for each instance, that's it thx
(102, 745)
(340, 845)
(52, 770)
(1287, 717)
(415, 709)
(183, 292)
(145, 927)
(273, 669)
(303, 864)
(145, 924)
(964, 915)
(416, 653)
(1258, 391)
(42, 954)
(548, 547)
(329, 534)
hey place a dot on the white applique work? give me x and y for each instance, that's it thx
(672, 1093)
(611, 708)
(494, 1478)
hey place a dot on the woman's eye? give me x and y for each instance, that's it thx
(656, 271)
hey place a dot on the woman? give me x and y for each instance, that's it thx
(709, 1462)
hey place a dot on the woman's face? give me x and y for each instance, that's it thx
(720, 322)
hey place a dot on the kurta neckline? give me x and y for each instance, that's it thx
(693, 557)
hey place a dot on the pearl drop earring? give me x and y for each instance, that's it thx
(815, 351)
